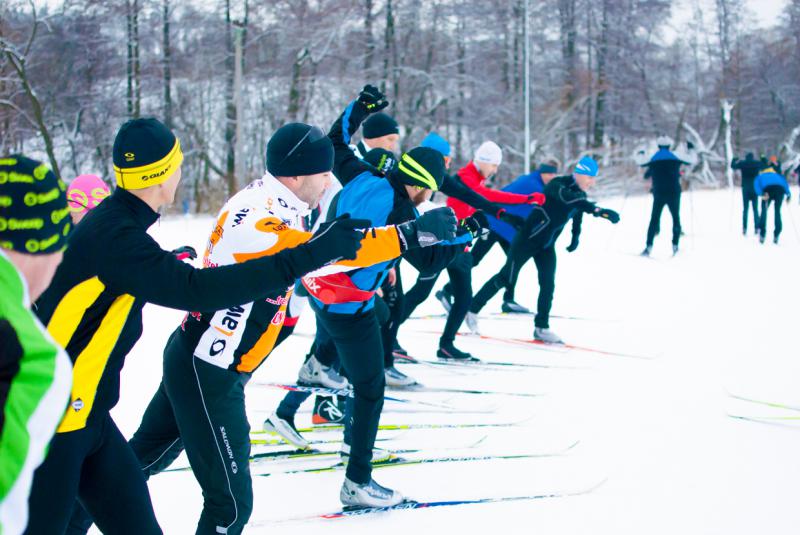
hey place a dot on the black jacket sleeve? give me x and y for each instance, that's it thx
(135, 264)
(453, 187)
(424, 259)
(577, 220)
(573, 196)
(346, 165)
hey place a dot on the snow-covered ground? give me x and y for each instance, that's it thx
(721, 316)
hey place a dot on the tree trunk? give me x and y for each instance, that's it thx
(600, 102)
(230, 104)
(370, 39)
(566, 9)
(167, 68)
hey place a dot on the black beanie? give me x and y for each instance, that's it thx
(146, 153)
(34, 217)
(382, 160)
(421, 166)
(378, 125)
(297, 149)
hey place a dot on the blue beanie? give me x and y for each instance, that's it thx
(586, 166)
(436, 142)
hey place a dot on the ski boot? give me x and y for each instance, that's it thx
(512, 307)
(647, 251)
(395, 377)
(368, 495)
(451, 353)
(314, 373)
(674, 249)
(546, 335)
(445, 299)
(472, 322)
(284, 427)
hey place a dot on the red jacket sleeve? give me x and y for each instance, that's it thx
(502, 197)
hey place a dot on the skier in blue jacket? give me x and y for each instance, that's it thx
(771, 186)
(503, 233)
(664, 171)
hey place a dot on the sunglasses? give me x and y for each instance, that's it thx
(314, 134)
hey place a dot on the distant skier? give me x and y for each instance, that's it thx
(664, 171)
(503, 233)
(771, 186)
(749, 167)
(565, 199)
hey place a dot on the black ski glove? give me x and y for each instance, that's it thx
(573, 244)
(335, 240)
(184, 252)
(476, 224)
(512, 219)
(372, 99)
(607, 213)
(429, 229)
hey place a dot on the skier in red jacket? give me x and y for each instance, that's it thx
(456, 296)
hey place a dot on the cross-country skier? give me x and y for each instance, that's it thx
(346, 307)
(93, 309)
(457, 294)
(771, 186)
(503, 233)
(565, 199)
(379, 131)
(664, 170)
(35, 373)
(749, 168)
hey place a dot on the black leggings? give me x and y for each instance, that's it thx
(358, 342)
(774, 194)
(545, 260)
(460, 287)
(749, 198)
(96, 466)
(673, 202)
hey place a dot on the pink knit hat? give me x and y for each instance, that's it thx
(86, 192)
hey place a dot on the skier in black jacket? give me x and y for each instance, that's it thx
(565, 199)
(93, 308)
(664, 171)
(749, 167)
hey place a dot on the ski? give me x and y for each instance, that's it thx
(549, 346)
(768, 420)
(479, 364)
(400, 461)
(506, 315)
(349, 393)
(765, 403)
(404, 427)
(436, 389)
(411, 505)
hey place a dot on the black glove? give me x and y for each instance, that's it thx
(573, 244)
(476, 224)
(184, 252)
(372, 99)
(429, 229)
(512, 219)
(607, 213)
(336, 240)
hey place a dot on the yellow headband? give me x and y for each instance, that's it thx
(150, 174)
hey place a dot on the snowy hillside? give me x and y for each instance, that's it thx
(721, 316)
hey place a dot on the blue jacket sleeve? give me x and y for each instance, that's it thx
(346, 165)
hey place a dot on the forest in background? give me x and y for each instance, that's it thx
(607, 77)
